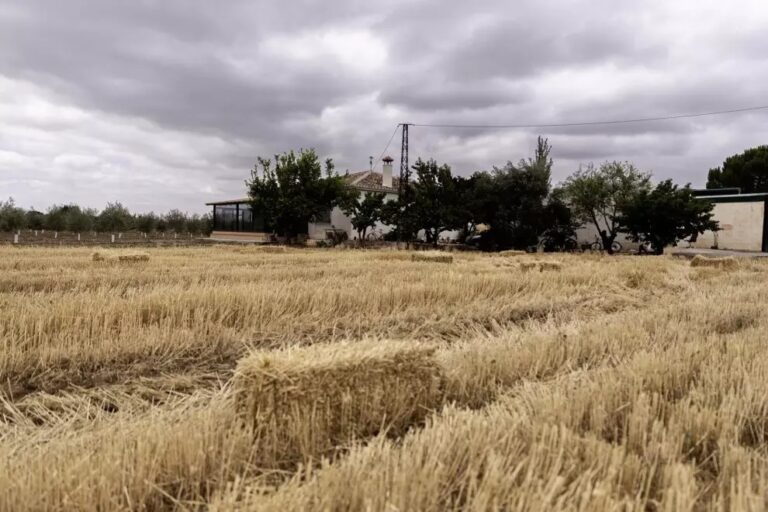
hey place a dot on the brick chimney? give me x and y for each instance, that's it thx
(386, 172)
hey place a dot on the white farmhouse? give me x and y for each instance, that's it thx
(233, 220)
(364, 182)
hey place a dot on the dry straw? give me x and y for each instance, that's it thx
(727, 263)
(265, 249)
(434, 257)
(304, 403)
(123, 257)
(512, 253)
(541, 266)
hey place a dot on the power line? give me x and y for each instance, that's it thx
(590, 123)
(387, 146)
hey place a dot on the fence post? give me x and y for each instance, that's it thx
(78, 237)
(56, 235)
(35, 232)
(113, 238)
(120, 235)
(15, 238)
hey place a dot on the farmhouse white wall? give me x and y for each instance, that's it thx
(741, 227)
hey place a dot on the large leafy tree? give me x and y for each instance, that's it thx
(511, 200)
(665, 215)
(294, 190)
(597, 195)
(401, 215)
(365, 212)
(559, 233)
(437, 196)
(748, 171)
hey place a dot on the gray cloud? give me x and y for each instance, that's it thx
(167, 104)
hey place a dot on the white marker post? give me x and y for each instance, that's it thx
(15, 238)
(113, 238)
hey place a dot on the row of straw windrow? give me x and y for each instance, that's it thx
(304, 403)
(322, 398)
(677, 421)
(70, 317)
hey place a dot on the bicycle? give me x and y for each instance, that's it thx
(597, 246)
(548, 244)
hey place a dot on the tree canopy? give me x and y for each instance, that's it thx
(115, 217)
(511, 200)
(665, 215)
(12, 217)
(597, 195)
(294, 191)
(748, 171)
(364, 213)
(436, 199)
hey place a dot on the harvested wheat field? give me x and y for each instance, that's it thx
(217, 378)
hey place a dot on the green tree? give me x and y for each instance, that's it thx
(146, 222)
(364, 213)
(294, 190)
(665, 215)
(401, 215)
(176, 221)
(200, 224)
(748, 171)
(35, 219)
(559, 232)
(511, 200)
(436, 196)
(80, 219)
(69, 217)
(598, 195)
(12, 217)
(56, 218)
(115, 217)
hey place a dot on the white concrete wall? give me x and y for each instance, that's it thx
(741, 227)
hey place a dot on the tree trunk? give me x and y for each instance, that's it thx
(607, 240)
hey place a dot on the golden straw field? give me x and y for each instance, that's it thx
(232, 378)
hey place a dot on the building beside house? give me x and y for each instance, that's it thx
(234, 220)
(742, 218)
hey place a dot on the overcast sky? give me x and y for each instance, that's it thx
(167, 103)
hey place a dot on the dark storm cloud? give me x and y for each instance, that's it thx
(167, 64)
(125, 100)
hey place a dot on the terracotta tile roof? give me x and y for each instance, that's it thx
(370, 181)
